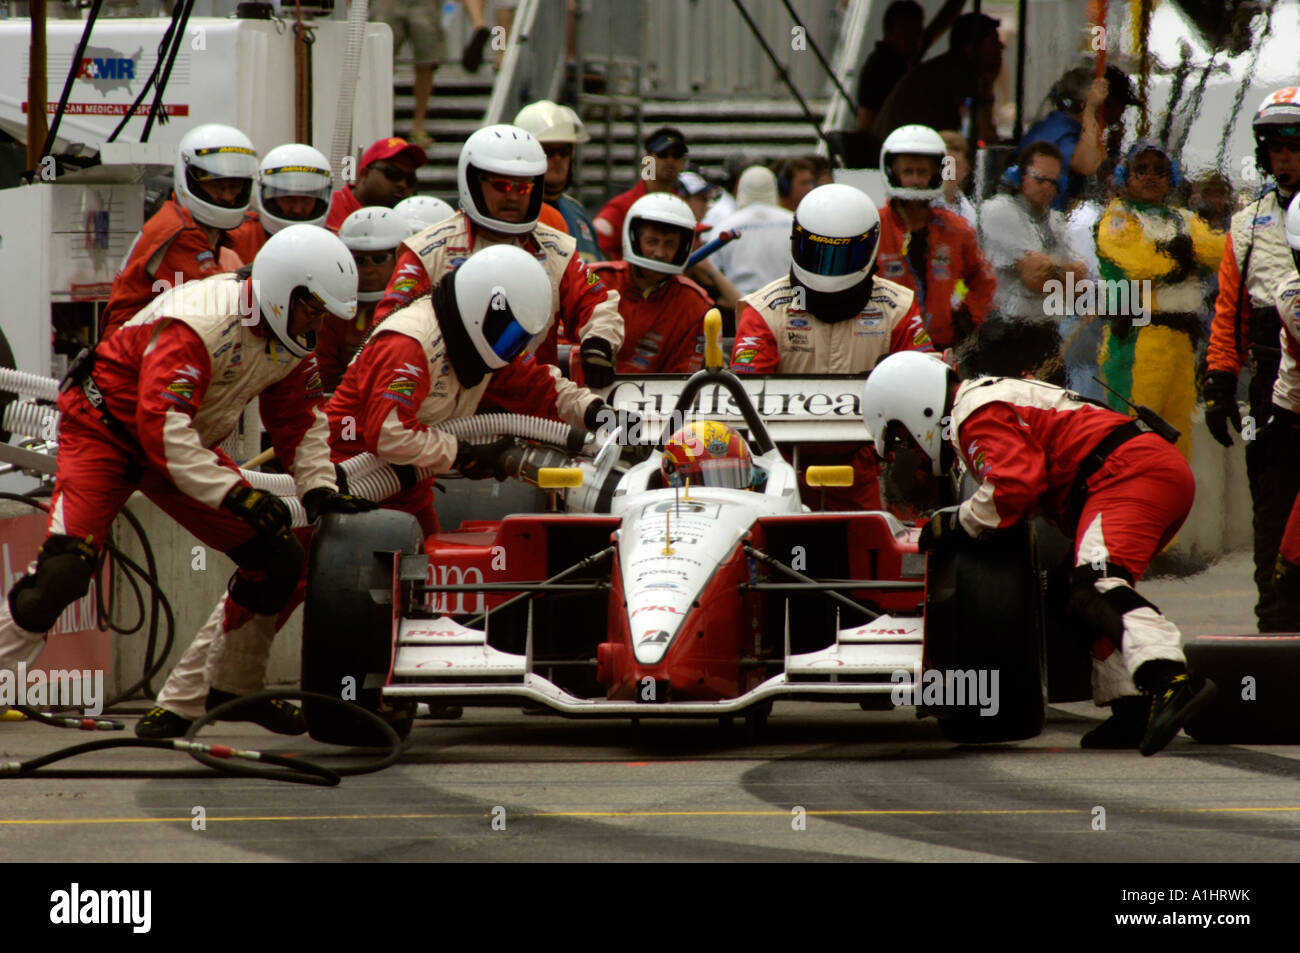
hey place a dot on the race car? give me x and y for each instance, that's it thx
(640, 600)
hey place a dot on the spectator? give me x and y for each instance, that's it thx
(953, 196)
(696, 192)
(385, 176)
(724, 203)
(795, 179)
(925, 248)
(663, 311)
(821, 169)
(1028, 245)
(1081, 334)
(1141, 239)
(1211, 198)
(1084, 106)
(906, 38)
(936, 92)
(420, 22)
(664, 159)
(559, 130)
(762, 252)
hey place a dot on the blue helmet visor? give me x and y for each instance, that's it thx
(833, 257)
(506, 336)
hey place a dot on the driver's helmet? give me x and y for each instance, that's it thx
(708, 453)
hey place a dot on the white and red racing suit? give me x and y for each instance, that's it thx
(1025, 442)
(389, 403)
(773, 336)
(171, 384)
(1286, 392)
(585, 306)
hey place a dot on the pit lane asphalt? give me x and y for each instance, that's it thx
(872, 785)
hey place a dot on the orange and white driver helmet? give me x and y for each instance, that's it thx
(708, 453)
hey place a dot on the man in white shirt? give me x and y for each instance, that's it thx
(762, 252)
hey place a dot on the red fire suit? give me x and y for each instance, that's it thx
(609, 221)
(583, 303)
(773, 336)
(1025, 441)
(170, 250)
(342, 204)
(952, 255)
(662, 329)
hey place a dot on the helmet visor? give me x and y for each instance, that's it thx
(505, 335)
(731, 473)
(225, 162)
(833, 257)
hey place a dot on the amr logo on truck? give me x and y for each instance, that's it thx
(106, 69)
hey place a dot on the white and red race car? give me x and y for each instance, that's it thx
(642, 601)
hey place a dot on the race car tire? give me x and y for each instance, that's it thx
(1256, 677)
(1069, 663)
(984, 612)
(348, 618)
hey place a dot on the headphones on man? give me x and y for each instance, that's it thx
(1146, 145)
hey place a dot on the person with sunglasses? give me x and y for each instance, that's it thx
(500, 177)
(1028, 244)
(148, 408)
(385, 176)
(193, 234)
(559, 130)
(663, 162)
(373, 235)
(1246, 329)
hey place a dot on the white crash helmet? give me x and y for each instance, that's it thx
(551, 122)
(913, 140)
(835, 238)
(910, 387)
(421, 211)
(665, 209)
(1278, 114)
(293, 170)
(504, 298)
(303, 256)
(372, 229)
(504, 150)
(214, 151)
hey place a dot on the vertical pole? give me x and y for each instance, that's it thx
(37, 128)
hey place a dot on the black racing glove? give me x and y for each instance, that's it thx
(943, 532)
(406, 474)
(1221, 405)
(323, 500)
(597, 363)
(264, 512)
(478, 461)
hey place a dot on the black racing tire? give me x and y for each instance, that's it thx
(347, 616)
(1256, 678)
(984, 611)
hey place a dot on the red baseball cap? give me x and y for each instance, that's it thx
(391, 147)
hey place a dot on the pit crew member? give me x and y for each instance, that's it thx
(191, 235)
(385, 176)
(559, 130)
(500, 177)
(830, 316)
(663, 311)
(1246, 326)
(148, 413)
(292, 188)
(927, 248)
(1118, 489)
